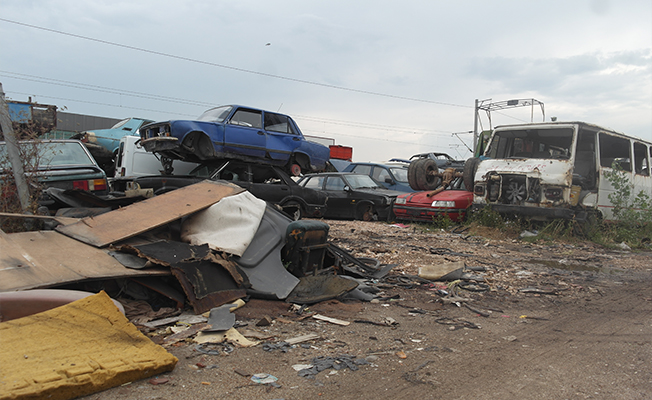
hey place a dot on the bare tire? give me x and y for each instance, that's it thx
(412, 173)
(293, 209)
(365, 212)
(470, 168)
(425, 178)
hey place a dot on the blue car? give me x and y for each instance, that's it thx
(110, 138)
(236, 132)
(103, 143)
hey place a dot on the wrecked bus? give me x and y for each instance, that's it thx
(557, 170)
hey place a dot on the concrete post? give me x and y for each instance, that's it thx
(13, 153)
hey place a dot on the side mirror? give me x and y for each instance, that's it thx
(389, 180)
(347, 188)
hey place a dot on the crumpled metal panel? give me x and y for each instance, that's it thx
(137, 218)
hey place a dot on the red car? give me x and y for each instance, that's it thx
(452, 202)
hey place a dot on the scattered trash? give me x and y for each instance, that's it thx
(401, 354)
(221, 318)
(210, 349)
(283, 346)
(331, 320)
(230, 336)
(299, 367)
(447, 271)
(313, 289)
(477, 311)
(400, 225)
(623, 246)
(264, 321)
(538, 291)
(386, 322)
(302, 339)
(457, 323)
(527, 234)
(158, 381)
(337, 363)
(263, 379)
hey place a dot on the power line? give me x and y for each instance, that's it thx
(102, 104)
(196, 61)
(40, 79)
(77, 85)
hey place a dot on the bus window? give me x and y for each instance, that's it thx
(640, 159)
(615, 150)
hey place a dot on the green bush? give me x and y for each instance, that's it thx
(632, 212)
(486, 216)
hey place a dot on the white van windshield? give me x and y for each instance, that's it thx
(552, 143)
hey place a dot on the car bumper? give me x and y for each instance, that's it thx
(161, 143)
(427, 213)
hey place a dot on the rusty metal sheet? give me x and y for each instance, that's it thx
(126, 222)
(31, 260)
(207, 285)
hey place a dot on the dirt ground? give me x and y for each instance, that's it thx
(563, 321)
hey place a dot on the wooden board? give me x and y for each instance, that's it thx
(31, 260)
(126, 222)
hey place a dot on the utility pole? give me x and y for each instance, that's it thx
(475, 127)
(13, 153)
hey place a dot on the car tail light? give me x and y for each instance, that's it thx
(98, 184)
(81, 185)
(90, 185)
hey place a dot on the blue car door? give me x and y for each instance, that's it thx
(282, 136)
(244, 134)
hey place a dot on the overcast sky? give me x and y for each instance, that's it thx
(390, 78)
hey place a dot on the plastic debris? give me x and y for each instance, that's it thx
(337, 363)
(263, 379)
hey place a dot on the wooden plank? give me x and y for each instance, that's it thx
(61, 220)
(123, 223)
(31, 260)
(331, 320)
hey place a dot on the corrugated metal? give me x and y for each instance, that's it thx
(79, 122)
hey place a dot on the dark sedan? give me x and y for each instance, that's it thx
(352, 196)
(63, 164)
(266, 182)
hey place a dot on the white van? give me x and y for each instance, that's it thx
(133, 161)
(558, 170)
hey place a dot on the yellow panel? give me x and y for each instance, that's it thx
(74, 350)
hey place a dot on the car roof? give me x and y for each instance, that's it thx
(247, 107)
(382, 164)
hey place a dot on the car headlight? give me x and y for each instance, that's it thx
(400, 200)
(443, 204)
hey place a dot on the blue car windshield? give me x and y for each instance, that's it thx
(400, 173)
(217, 114)
(361, 181)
